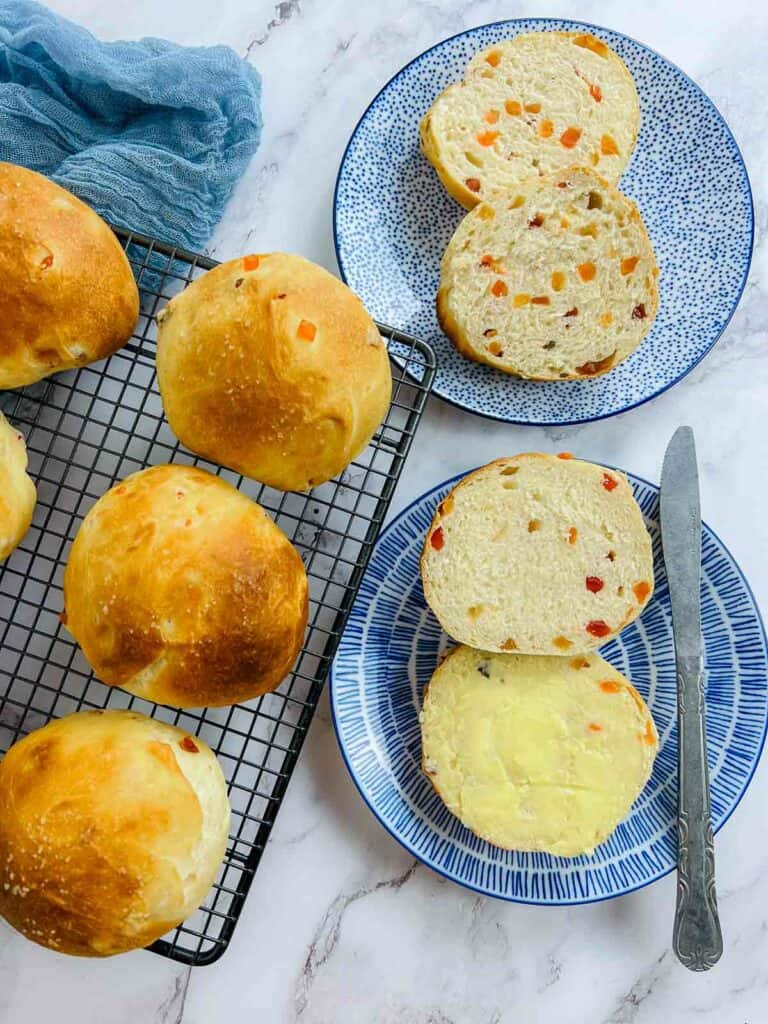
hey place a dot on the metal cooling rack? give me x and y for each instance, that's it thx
(88, 428)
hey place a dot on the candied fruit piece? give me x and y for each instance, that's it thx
(610, 686)
(628, 265)
(562, 642)
(595, 92)
(250, 262)
(594, 584)
(641, 590)
(493, 58)
(598, 628)
(536, 221)
(487, 138)
(587, 271)
(499, 289)
(570, 137)
(558, 280)
(513, 107)
(521, 300)
(594, 727)
(540, 300)
(306, 331)
(473, 184)
(491, 116)
(533, 108)
(608, 146)
(573, 535)
(546, 128)
(588, 42)
(610, 483)
(638, 313)
(437, 540)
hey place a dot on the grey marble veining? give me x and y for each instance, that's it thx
(341, 927)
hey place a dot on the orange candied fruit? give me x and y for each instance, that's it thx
(493, 58)
(588, 42)
(473, 184)
(446, 506)
(486, 212)
(595, 92)
(546, 128)
(641, 590)
(499, 289)
(533, 525)
(594, 727)
(540, 300)
(573, 535)
(565, 455)
(522, 299)
(562, 642)
(517, 202)
(509, 645)
(558, 280)
(606, 319)
(628, 265)
(610, 686)
(437, 540)
(487, 138)
(495, 349)
(608, 146)
(306, 331)
(570, 137)
(610, 483)
(580, 663)
(533, 108)
(250, 262)
(491, 116)
(648, 735)
(586, 271)
(513, 107)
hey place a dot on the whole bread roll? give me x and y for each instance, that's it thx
(112, 828)
(536, 753)
(532, 105)
(17, 492)
(538, 554)
(271, 366)
(68, 296)
(182, 590)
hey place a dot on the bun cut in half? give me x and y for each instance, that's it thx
(538, 554)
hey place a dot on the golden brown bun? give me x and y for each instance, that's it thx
(182, 590)
(271, 366)
(112, 828)
(17, 492)
(68, 296)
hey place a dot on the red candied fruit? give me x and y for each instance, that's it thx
(189, 745)
(437, 540)
(598, 628)
(594, 584)
(610, 482)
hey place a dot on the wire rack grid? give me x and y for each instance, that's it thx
(88, 428)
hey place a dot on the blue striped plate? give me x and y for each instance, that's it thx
(393, 642)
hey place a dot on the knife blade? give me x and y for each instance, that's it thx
(697, 938)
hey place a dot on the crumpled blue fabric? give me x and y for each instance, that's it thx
(152, 135)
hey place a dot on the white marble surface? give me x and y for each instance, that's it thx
(341, 927)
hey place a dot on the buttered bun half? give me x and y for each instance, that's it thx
(112, 828)
(538, 554)
(68, 296)
(540, 754)
(182, 590)
(17, 492)
(269, 365)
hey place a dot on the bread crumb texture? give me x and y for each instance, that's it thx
(538, 554)
(532, 106)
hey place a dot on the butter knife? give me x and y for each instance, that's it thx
(697, 940)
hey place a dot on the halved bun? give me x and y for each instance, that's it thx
(17, 492)
(556, 280)
(538, 554)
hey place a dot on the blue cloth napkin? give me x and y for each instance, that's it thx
(152, 135)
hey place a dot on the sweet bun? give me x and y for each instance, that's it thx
(271, 366)
(17, 492)
(68, 295)
(540, 754)
(539, 554)
(182, 590)
(112, 828)
(555, 280)
(532, 105)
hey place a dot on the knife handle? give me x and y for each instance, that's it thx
(697, 939)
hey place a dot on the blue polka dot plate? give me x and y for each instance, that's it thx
(393, 643)
(393, 220)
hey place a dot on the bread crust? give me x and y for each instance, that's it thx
(243, 387)
(112, 828)
(68, 296)
(17, 491)
(182, 590)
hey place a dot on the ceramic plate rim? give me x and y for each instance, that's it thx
(476, 888)
(740, 156)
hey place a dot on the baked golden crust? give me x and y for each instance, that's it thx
(17, 492)
(182, 590)
(271, 366)
(112, 828)
(68, 295)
